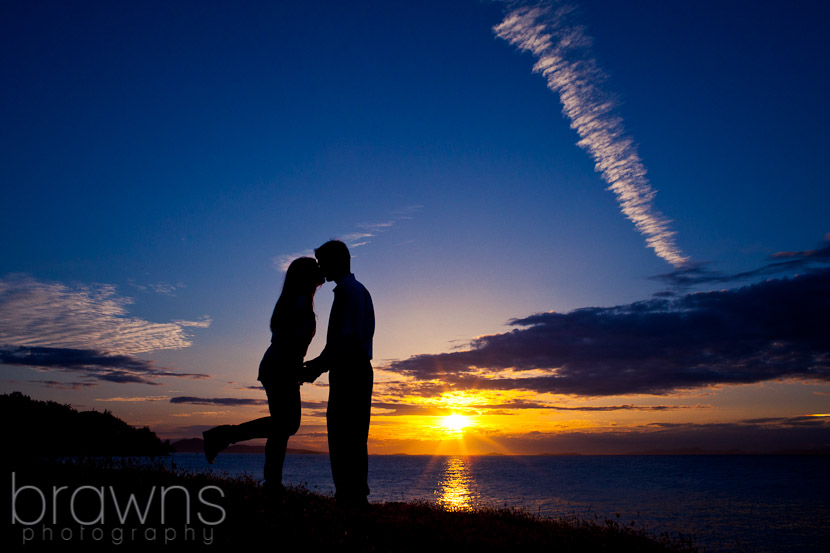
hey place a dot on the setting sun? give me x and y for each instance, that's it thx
(456, 422)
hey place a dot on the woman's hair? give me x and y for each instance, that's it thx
(302, 279)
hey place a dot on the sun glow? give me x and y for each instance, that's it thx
(455, 422)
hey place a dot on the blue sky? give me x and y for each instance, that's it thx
(167, 157)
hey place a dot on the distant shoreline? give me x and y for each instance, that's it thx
(195, 445)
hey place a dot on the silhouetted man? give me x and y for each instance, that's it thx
(347, 357)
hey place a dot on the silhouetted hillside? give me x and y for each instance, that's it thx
(49, 428)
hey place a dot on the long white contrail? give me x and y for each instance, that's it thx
(562, 49)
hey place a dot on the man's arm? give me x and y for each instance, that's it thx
(312, 369)
(344, 339)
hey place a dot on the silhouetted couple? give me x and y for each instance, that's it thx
(346, 357)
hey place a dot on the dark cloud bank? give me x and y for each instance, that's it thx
(89, 363)
(765, 331)
(226, 401)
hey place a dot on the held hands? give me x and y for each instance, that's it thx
(306, 376)
(311, 371)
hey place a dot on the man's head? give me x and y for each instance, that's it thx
(334, 260)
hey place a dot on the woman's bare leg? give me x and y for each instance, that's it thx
(219, 437)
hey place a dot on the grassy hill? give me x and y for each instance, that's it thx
(243, 516)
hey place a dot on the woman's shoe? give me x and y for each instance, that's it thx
(215, 440)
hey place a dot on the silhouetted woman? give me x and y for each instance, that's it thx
(293, 325)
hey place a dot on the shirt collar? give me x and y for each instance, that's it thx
(346, 279)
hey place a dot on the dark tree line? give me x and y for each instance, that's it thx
(47, 428)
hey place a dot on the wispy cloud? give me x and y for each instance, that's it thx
(771, 330)
(84, 317)
(802, 420)
(64, 385)
(136, 399)
(627, 407)
(781, 262)
(402, 407)
(90, 363)
(361, 236)
(163, 288)
(218, 400)
(281, 262)
(203, 322)
(676, 437)
(564, 59)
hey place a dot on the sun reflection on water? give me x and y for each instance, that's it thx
(454, 488)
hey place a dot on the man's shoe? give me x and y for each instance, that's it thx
(215, 440)
(274, 493)
(352, 503)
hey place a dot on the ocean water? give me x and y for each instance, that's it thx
(759, 504)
